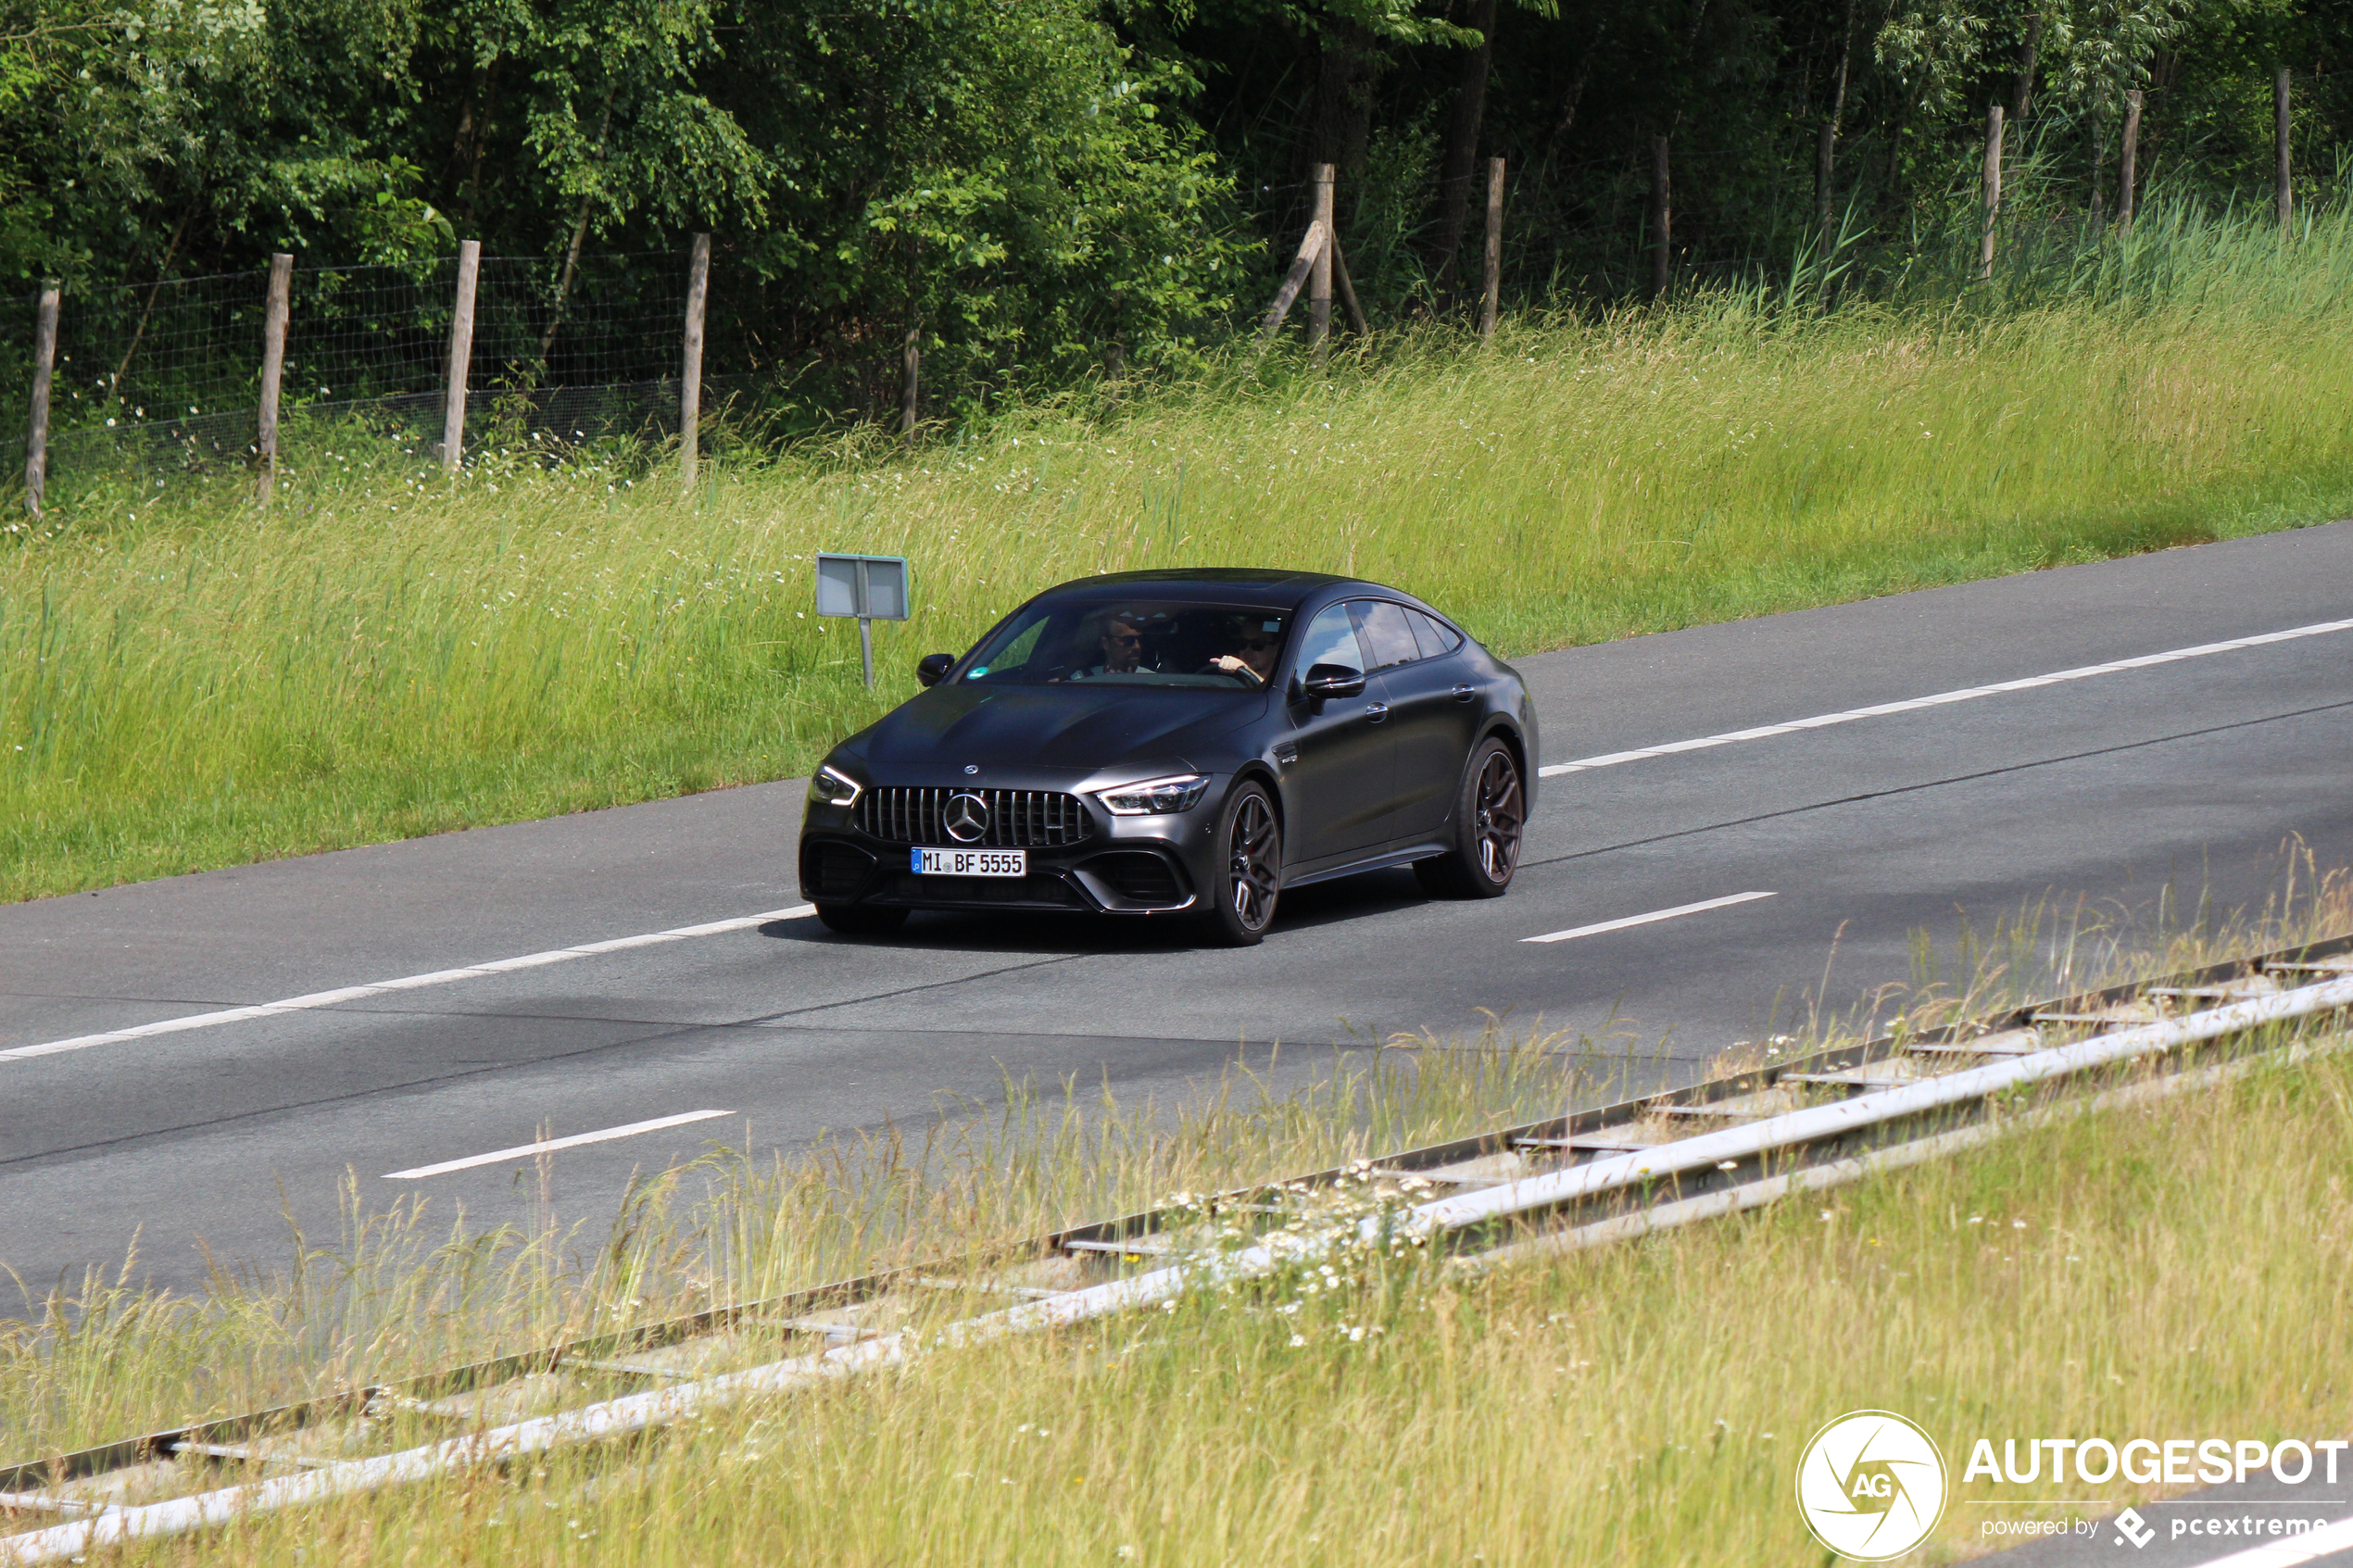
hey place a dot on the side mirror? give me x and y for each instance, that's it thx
(932, 668)
(1333, 680)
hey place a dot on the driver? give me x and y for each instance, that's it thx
(1254, 656)
(1123, 646)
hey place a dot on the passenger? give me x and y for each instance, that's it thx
(1253, 655)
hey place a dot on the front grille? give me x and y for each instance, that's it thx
(1018, 819)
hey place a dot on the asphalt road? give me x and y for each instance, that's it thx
(2174, 780)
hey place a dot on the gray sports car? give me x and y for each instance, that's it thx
(1179, 743)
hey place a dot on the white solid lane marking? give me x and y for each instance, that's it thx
(2289, 1551)
(548, 1146)
(406, 983)
(1645, 920)
(1968, 694)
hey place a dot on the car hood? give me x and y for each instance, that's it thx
(1058, 727)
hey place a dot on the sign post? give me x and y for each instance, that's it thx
(870, 587)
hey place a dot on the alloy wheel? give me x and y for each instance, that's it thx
(1501, 817)
(1253, 852)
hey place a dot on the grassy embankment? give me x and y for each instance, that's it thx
(184, 685)
(2165, 1272)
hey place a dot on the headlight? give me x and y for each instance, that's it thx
(830, 787)
(1154, 797)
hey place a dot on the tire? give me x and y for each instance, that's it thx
(1247, 883)
(1490, 821)
(860, 920)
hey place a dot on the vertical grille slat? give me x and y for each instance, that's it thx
(1018, 819)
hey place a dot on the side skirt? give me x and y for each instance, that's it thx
(1379, 862)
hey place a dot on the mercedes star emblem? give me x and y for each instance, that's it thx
(967, 817)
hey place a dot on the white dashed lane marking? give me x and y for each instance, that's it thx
(406, 983)
(548, 1146)
(1655, 915)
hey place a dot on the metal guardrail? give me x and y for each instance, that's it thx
(1610, 1174)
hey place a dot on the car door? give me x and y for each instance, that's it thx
(1433, 711)
(1338, 766)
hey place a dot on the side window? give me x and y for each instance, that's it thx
(1016, 653)
(1330, 639)
(1435, 636)
(1388, 638)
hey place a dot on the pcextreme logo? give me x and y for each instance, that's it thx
(1871, 1485)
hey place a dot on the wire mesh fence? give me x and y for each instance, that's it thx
(166, 375)
(160, 377)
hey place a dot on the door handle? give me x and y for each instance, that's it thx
(1375, 713)
(1462, 694)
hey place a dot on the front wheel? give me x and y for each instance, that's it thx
(1489, 814)
(860, 920)
(1250, 869)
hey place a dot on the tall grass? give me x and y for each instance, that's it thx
(184, 683)
(1645, 1407)
(407, 1290)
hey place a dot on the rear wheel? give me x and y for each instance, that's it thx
(860, 920)
(1250, 869)
(1490, 815)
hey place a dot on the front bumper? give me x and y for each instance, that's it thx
(1152, 865)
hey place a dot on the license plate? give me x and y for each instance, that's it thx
(970, 862)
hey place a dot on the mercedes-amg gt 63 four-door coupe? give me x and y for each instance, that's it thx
(1179, 743)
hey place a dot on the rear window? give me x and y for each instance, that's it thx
(1434, 634)
(1388, 636)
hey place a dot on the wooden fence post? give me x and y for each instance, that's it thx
(45, 358)
(1494, 249)
(461, 353)
(273, 370)
(2128, 158)
(1662, 218)
(2278, 138)
(1992, 191)
(1317, 243)
(1319, 279)
(690, 373)
(909, 393)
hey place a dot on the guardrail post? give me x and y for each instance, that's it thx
(461, 353)
(273, 368)
(690, 376)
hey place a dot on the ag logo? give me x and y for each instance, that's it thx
(1871, 1485)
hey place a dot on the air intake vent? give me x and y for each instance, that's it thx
(1009, 818)
(1140, 876)
(833, 870)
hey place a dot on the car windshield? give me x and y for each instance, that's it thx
(1133, 641)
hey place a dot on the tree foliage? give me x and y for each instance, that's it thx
(1041, 189)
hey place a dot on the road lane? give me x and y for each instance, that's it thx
(2189, 775)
